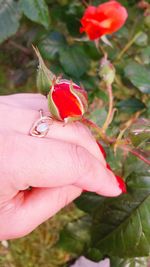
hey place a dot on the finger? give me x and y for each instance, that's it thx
(25, 101)
(29, 209)
(22, 119)
(52, 163)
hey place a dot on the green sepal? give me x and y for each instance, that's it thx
(44, 76)
(80, 97)
(107, 71)
(52, 107)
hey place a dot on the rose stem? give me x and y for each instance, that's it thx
(98, 130)
(136, 153)
(127, 46)
(110, 111)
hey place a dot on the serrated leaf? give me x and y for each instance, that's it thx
(9, 18)
(133, 262)
(51, 45)
(121, 226)
(36, 10)
(139, 76)
(74, 60)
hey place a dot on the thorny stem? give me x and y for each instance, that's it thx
(122, 144)
(110, 111)
(127, 125)
(107, 140)
(102, 50)
(127, 46)
(136, 153)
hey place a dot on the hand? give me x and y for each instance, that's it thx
(57, 167)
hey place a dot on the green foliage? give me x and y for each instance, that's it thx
(121, 225)
(11, 12)
(114, 227)
(70, 59)
(140, 133)
(51, 45)
(130, 105)
(36, 10)
(9, 18)
(133, 262)
(75, 237)
(139, 76)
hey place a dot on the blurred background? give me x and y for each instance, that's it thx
(53, 26)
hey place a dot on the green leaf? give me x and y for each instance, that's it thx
(98, 116)
(139, 76)
(9, 18)
(130, 105)
(75, 237)
(133, 262)
(88, 202)
(93, 254)
(121, 226)
(36, 10)
(139, 133)
(51, 45)
(142, 40)
(74, 60)
(145, 55)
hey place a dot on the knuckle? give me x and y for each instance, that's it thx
(82, 162)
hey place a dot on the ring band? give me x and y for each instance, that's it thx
(41, 126)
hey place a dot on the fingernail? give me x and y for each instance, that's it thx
(108, 167)
(102, 149)
(122, 184)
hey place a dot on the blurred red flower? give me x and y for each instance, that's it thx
(103, 19)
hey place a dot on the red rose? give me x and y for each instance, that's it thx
(67, 101)
(103, 19)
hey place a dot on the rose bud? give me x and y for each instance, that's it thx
(67, 101)
(107, 71)
(104, 19)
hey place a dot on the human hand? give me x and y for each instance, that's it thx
(57, 167)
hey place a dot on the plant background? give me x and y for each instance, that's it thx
(116, 227)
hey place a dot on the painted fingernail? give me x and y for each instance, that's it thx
(122, 184)
(108, 167)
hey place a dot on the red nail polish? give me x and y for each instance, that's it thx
(102, 150)
(108, 167)
(83, 191)
(122, 184)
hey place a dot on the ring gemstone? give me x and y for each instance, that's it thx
(42, 127)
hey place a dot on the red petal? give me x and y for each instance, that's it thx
(67, 104)
(95, 18)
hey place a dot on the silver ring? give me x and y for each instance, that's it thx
(40, 127)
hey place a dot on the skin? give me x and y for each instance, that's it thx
(58, 167)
